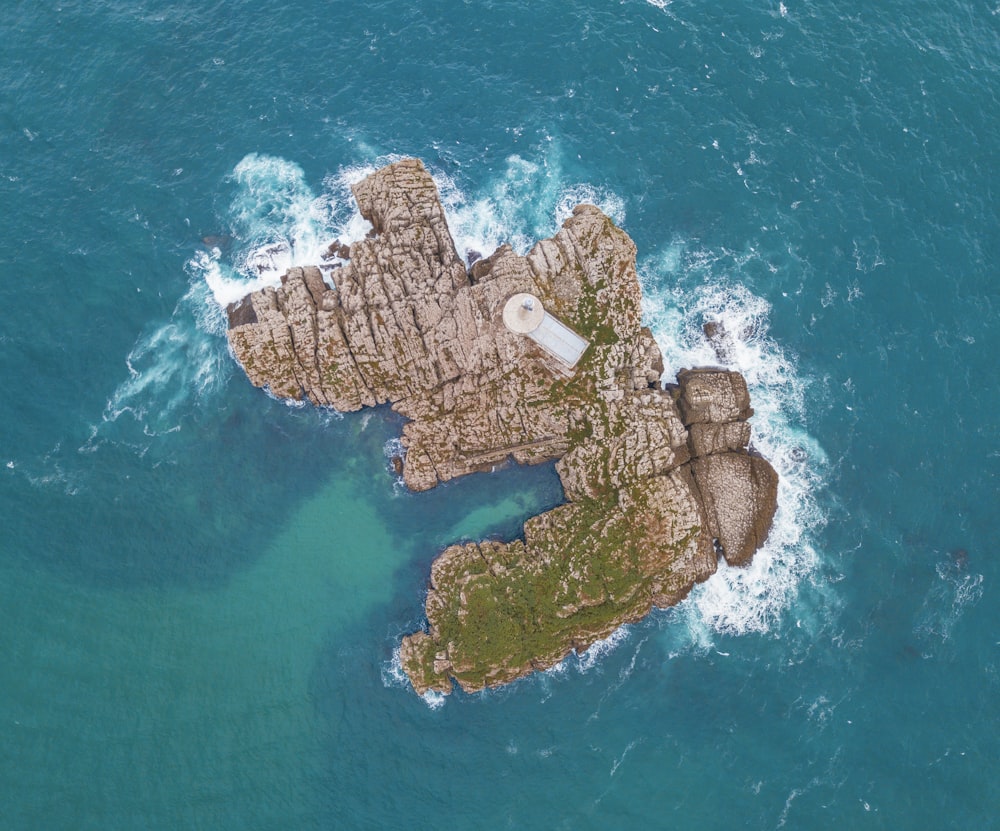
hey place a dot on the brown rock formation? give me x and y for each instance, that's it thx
(657, 480)
(738, 490)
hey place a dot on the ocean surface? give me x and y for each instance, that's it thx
(203, 589)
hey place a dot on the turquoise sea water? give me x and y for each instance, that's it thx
(202, 588)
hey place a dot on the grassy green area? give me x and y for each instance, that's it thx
(584, 570)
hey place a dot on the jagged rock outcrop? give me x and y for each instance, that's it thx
(738, 490)
(659, 480)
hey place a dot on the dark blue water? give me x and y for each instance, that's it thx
(203, 588)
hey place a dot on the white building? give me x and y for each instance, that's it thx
(524, 314)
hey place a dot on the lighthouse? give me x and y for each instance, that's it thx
(524, 314)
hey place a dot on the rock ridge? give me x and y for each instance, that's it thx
(659, 478)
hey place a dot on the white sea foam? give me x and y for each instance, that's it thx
(434, 700)
(950, 595)
(392, 671)
(393, 676)
(178, 363)
(608, 201)
(55, 476)
(618, 762)
(275, 217)
(592, 656)
(504, 212)
(395, 449)
(276, 221)
(227, 288)
(683, 289)
(526, 202)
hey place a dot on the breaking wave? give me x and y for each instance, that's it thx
(393, 676)
(276, 221)
(683, 290)
(591, 656)
(527, 202)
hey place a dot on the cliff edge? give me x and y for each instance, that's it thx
(659, 479)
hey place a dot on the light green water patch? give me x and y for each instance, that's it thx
(185, 708)
(503, 518)
(161, 708)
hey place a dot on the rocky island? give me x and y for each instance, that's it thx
(532, 358)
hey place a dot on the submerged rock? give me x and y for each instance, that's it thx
(657, 480)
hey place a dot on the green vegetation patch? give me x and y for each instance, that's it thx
(579, 575)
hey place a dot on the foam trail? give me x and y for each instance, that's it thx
(750, 599)
(176, 364)
(955, 590)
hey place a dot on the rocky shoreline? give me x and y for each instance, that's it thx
(658, 477)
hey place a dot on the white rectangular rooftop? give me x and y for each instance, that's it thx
(559, 340)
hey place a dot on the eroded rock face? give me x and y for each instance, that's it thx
(657, 479)
(738, 490)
